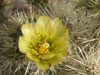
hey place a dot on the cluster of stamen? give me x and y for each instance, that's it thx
(42, 45)
(44, 48)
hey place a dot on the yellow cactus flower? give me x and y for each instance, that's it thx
(44, 42)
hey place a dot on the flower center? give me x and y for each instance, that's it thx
(42, 44)
(43, 49)
(46, 45)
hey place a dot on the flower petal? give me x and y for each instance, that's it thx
(32, 56)
(55, 25)
(42, 65)
(22, 45)
(55, 60)
(48, 56)
(28, 29)
(61, 43)
(41, 23)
